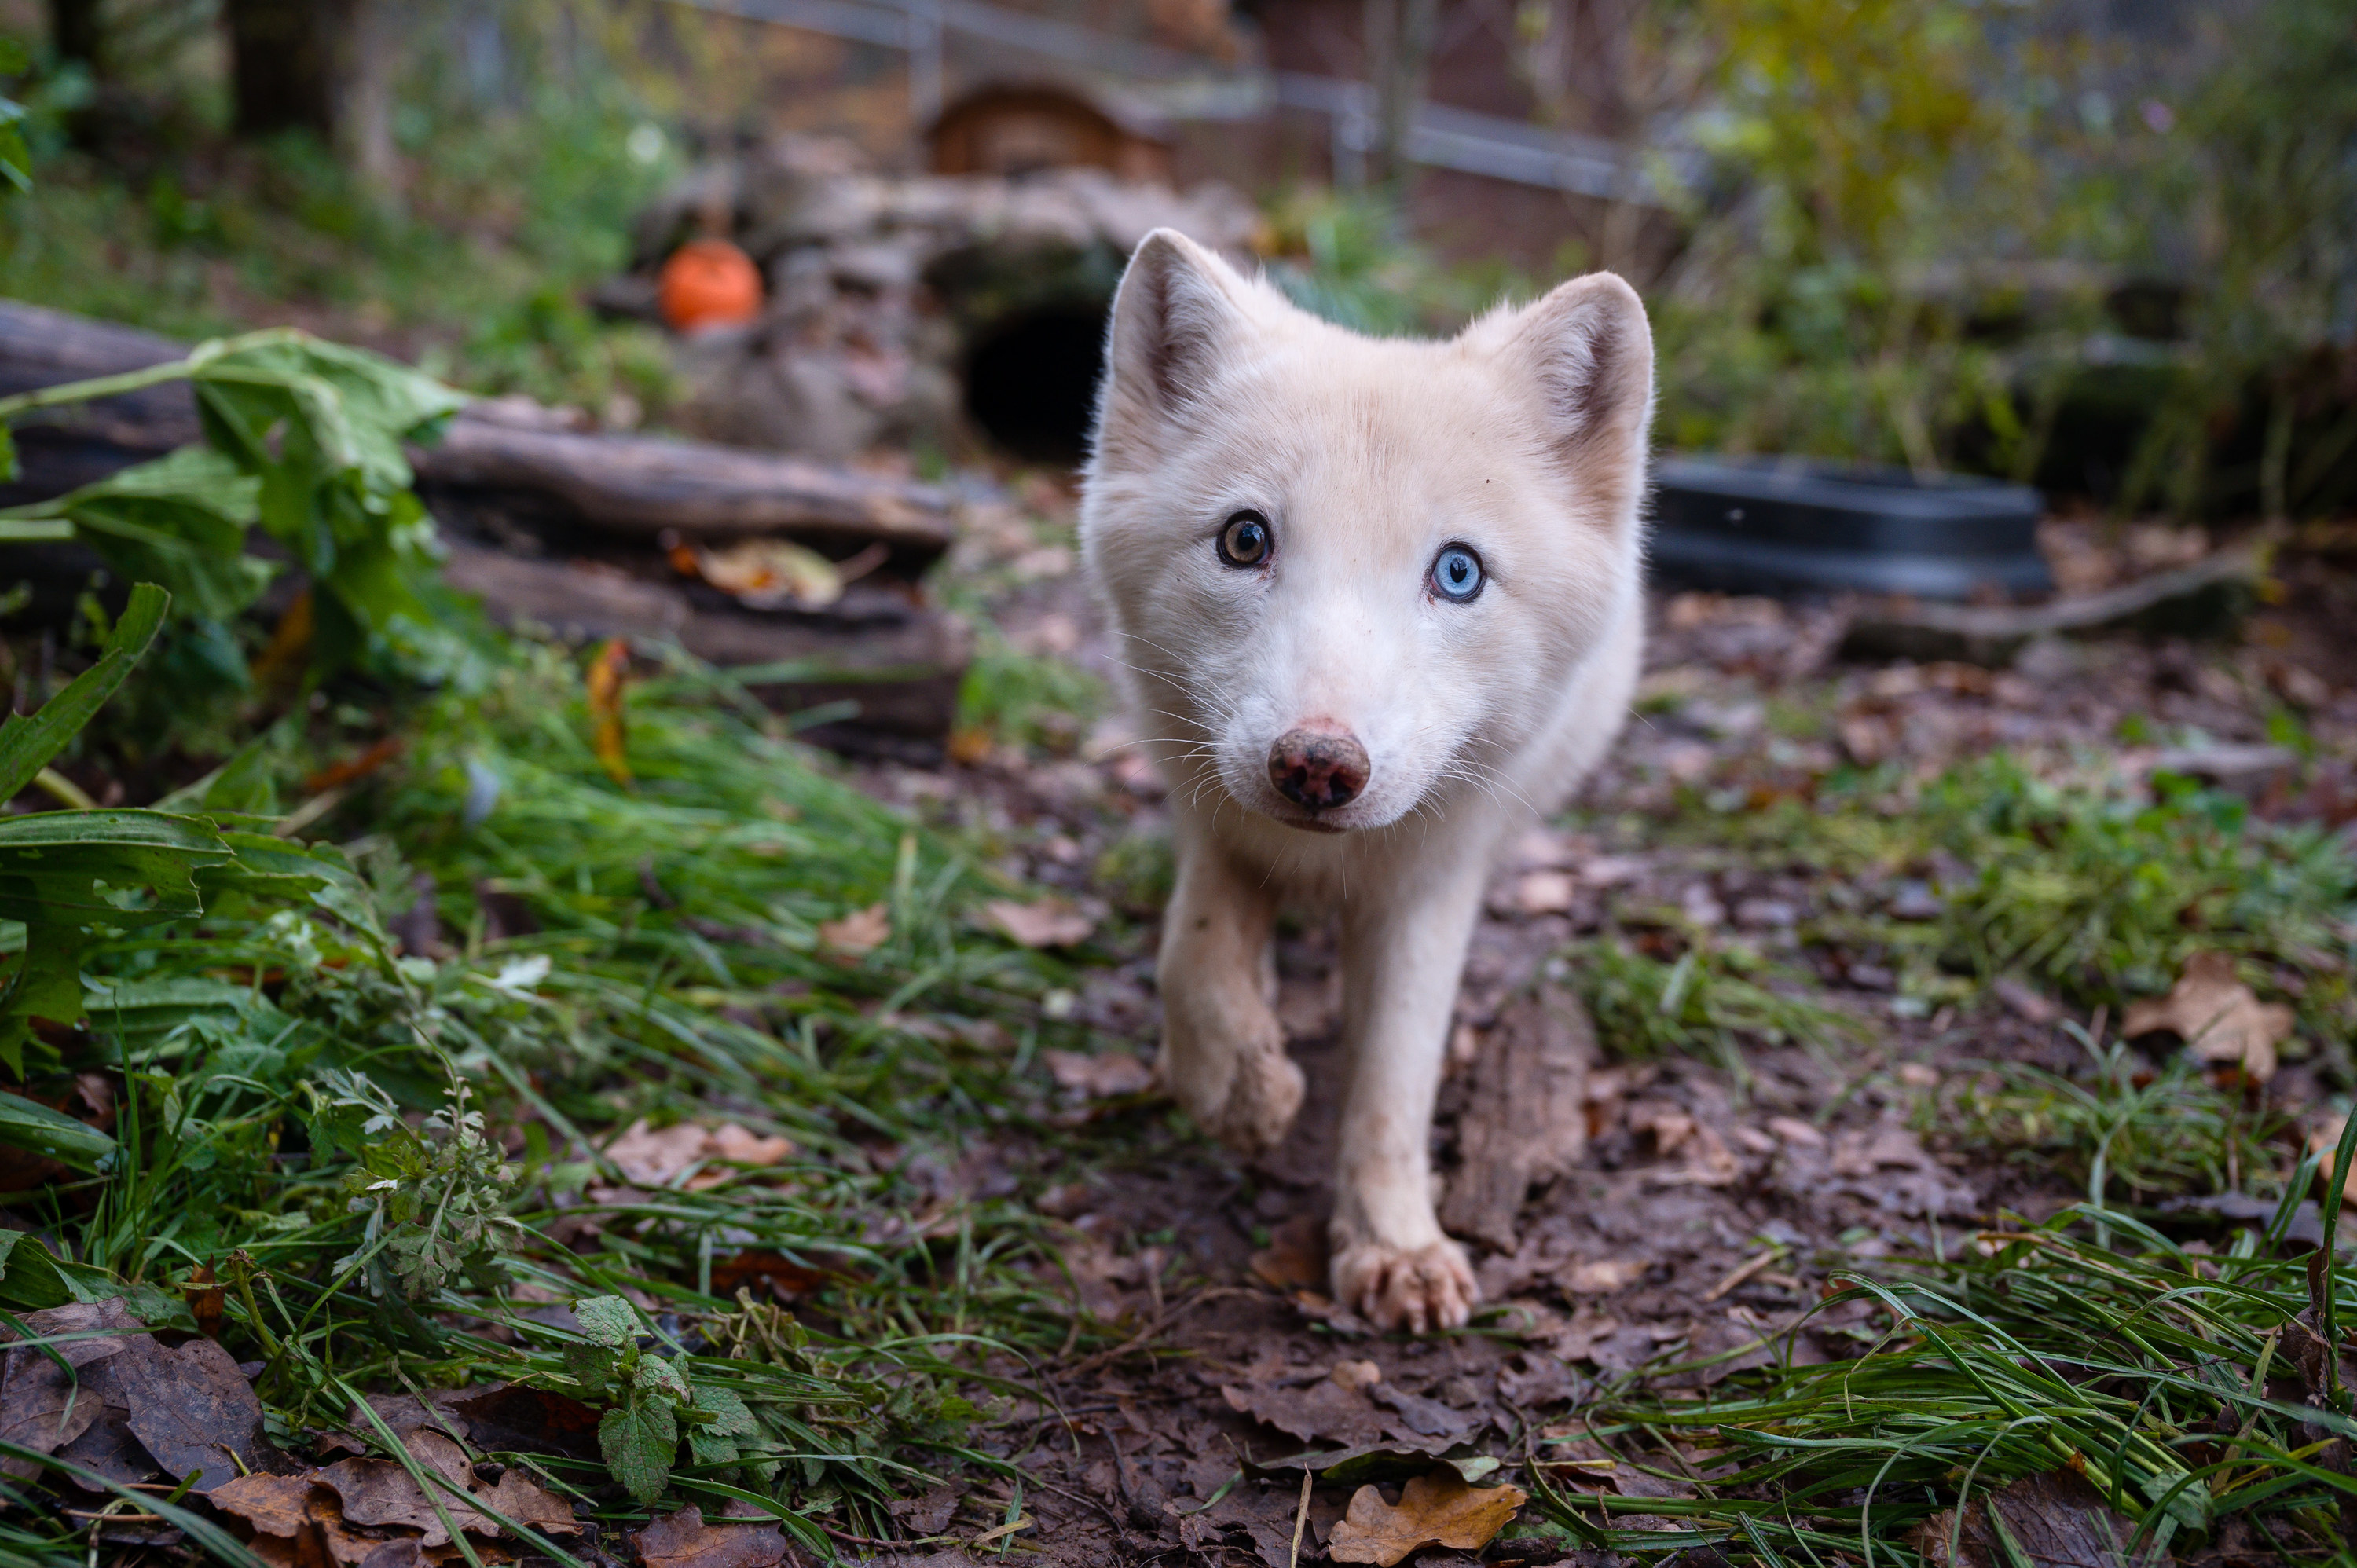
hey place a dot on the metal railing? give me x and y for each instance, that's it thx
(1179, 86)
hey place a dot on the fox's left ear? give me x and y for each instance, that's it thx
(1589, 350)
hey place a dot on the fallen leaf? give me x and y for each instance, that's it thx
(1356, 1374)
(2056, 1520)
(1295, 1258)
(509, 1416)
(742, 1146)
(206, 1299)
(1435, 1510)
(1325, 1412)
(1048, 923)
(1544, 893)
(859, 933)
(771, 1272)
(273, 1505)
(43, 1406)
(684, 1541)
(191, 1410)
(771, 574)
(2217, 1015)
(606, 674)
(526, 1501)
(1602, 1276)
(379, 1491)
(1100, 1076)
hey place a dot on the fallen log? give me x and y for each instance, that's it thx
(894, 677)
(889, 665)
(546, 481)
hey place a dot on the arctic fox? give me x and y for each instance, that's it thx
(1379, 605)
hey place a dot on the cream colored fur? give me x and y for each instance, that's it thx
(1524, 438)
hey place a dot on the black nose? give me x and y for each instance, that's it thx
(1318, 768)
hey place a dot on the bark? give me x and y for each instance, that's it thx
(1399, 37)
(321, 66)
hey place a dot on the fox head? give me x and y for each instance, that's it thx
(1350, 577)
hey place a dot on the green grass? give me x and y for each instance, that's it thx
(2155, 1371)
(2130, 1132)
(276, 1061)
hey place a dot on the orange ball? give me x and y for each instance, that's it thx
(708, 283)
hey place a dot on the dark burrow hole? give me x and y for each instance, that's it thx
(1031, 383)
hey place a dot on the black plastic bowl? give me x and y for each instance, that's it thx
(1778, 525)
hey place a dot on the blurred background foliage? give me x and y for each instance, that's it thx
(1945, 234)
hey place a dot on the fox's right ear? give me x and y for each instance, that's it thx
(1178, 310)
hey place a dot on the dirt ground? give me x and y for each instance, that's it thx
(1682, 1206)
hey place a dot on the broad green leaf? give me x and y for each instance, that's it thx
(730, 1416)
(60, 871)
(31, 1278)
(52, 862)
(179, 521)
(638, 1441)
(27, 745)
(607, 1320)
(281, 869)
(29, 1125)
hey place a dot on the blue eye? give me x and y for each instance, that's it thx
(1457, 575)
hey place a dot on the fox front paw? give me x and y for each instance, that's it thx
(1416, 1288)
(1263, 1096)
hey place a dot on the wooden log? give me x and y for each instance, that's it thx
(894, 663)
(545, 481)
(900, 673)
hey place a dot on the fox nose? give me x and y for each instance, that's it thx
(1318, 769)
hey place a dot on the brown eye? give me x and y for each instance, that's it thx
(1245, 541)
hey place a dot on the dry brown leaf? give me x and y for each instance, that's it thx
(741, 1146)
(684, 1541)
(1544, 893)
(273, 1505)
(378, 1492)
(1435, 1510)
(859, 933)
(1100, 1076)
(191, 1409)
(653, 1158)
(1295, 1258)
(526, 1501)
(1048, 923)
(2217, 1015)
(42, 1405)
(771, 574)
(605, 679)
(1602, 1276)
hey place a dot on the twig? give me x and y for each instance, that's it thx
(1147, 1334)
(1301, 1520)
(1743, 1271)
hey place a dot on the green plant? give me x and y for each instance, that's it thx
(1704, 1001)
(304, 439)
(2147, 1368)
(2150, 1134)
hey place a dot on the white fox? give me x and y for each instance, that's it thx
(1379, 603)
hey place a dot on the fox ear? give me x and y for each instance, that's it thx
(1588, 346)
(1177, 312)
